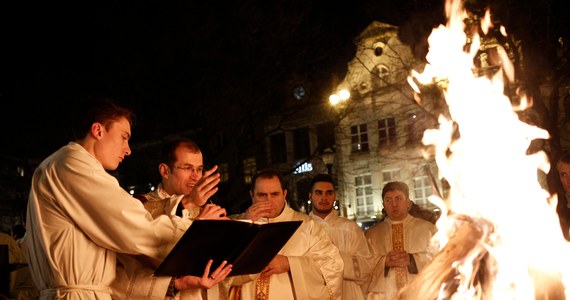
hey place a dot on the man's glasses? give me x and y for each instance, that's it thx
(189, 169)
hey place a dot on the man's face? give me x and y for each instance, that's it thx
(322, 198)
(564, 173)
(396, 205)
(113, 144)
(184, 173)
(270, 190)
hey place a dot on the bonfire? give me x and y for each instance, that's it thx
(499, 236)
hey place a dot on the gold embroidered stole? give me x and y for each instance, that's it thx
(262, 288)
(398, 244)
(235, 292)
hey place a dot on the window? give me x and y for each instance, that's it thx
(364, 199)
(278, 148)
(363, 88)
(325, 136)
(299, 92)
(387, 132)
(390, 175)
(422, 190)
(359, 137)
(301, 143)
(379, 47)
(249, 169)
(380, 76)
(224, 173)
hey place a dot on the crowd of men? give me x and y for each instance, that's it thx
(87, 238)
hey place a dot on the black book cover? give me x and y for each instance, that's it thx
(248, 246)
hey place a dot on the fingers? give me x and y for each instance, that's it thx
(212, 212)
(208, 177)
(221, 272)
(258, 210)
(204, 189)
(209, 172)
(206, 186)
(207, 269)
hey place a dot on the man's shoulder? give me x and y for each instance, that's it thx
(420, 223)
(423, 213)
(150, 196)
(299, 216)
(381, 225)
(344, 221)
(141, 197)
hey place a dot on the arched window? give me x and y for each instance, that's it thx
(380, 76)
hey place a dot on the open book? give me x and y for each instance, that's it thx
(248, 246)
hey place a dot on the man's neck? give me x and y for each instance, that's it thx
(321, 214)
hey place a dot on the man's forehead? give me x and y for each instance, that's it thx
(191, 157)
(266, 184)
(323, 185)
(394, 193)
(121, 124)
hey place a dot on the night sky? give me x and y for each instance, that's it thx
(163, 60)
(168, 61)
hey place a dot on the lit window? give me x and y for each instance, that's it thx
(224, 173)
(359, 138)
(422, 190)
(364, 199)
(249, 169)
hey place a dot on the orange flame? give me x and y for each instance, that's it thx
(490, 174)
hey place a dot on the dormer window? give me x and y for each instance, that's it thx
(378, 48)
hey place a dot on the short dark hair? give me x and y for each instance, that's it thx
(102, 110)
(396, 186)
(268, 174)
(322, 178)
(168, 152)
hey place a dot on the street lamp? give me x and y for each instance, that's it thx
(328, 159)
(339, 97)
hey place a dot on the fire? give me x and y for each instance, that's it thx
(493, 181)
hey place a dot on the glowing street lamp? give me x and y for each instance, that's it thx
(339, 97)
(344, 94)
(334, 99)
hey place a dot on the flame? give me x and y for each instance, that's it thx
(490, 174)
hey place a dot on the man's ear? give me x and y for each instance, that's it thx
(97, 129)
(163, 170)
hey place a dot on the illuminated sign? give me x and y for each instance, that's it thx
(305, 167)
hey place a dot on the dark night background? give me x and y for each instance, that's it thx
(173, 61)
(168, 60)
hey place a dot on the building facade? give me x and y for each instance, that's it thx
(369, 136)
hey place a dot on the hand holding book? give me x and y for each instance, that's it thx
(249, 247)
